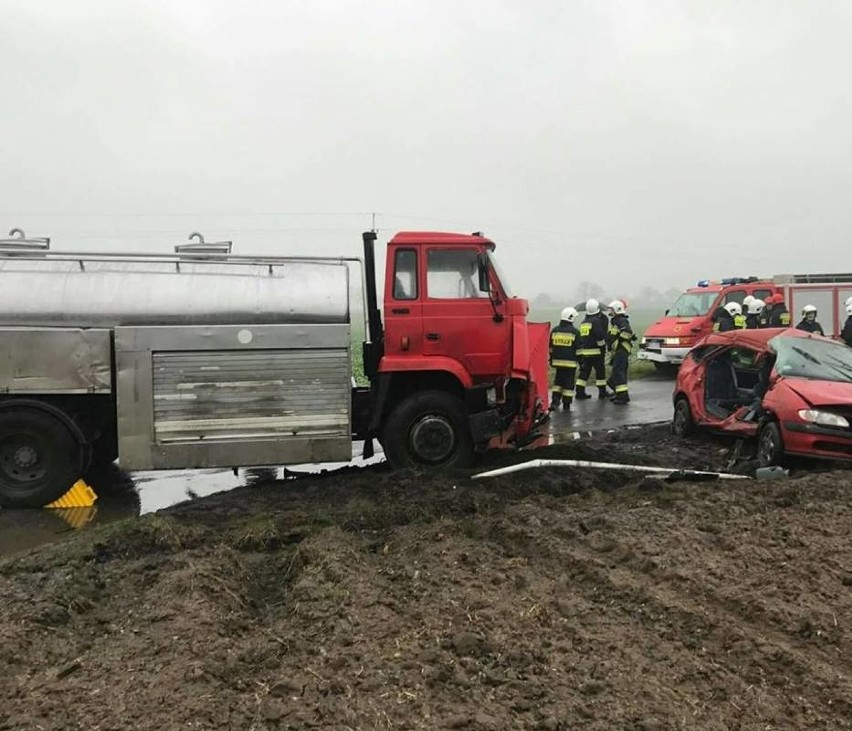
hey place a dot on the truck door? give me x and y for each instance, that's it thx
(403, 304)
(458, 318)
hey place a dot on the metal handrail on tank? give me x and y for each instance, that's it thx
(19, 241)
(21, 248)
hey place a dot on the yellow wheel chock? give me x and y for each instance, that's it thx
(79, 496)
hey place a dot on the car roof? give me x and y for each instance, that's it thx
(757, 339)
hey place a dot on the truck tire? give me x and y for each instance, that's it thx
(40, 458)
(428, 429)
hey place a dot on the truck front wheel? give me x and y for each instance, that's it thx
(428, 429)
(40, 459)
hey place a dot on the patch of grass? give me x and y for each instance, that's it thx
(150, 534)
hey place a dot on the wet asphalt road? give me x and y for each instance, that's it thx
(145, 492)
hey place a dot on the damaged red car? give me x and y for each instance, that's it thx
(789, 389)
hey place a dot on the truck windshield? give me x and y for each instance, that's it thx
(692, 304)
(501, 275)
(820, 360)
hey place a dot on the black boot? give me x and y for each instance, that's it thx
(566, 403)
(621, 399)
(602, 393)
(581, 394)
(554, 405)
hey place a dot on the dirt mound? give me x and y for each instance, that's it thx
(559, 599)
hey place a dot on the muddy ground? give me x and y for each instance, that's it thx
(377, 600)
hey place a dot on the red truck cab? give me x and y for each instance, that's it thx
(690, 318)
(455, 365)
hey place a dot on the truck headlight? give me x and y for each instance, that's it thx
(823, 418)
(643, 340)
(672, 341)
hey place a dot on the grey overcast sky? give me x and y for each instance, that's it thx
(626, 142)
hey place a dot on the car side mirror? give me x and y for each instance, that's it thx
(667, 312)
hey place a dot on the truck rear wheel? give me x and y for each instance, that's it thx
(40, 459)
(428, 429)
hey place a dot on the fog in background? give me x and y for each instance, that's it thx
(626, 143)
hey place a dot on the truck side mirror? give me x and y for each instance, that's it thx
(484, 283)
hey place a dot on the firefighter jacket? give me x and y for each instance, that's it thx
(563, 345)
(620, 335)
(739, 322)
(779, 317)
(810, 326)
(752, 322)
(764, 318)
(723, 321)
(846, 332)
(593, 331)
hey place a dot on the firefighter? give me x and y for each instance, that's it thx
(780, 316)
(809, 322)
(620, 339)
(766, 315)
(755, 311)
(746, 303)
(846, 332)
(729, 317)
(591, 347)
(563, 357)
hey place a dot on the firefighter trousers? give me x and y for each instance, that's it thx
(563, 386)
(618, 379)
(587, 365)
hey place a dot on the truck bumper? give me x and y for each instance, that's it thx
(659, 354)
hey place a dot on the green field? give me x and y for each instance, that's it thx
(640, 320)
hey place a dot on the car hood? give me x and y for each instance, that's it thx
(821, 393)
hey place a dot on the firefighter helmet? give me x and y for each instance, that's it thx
(849, 308)
(592, 306)
(747, 300)
(755, 307)
(568, 314)
(734, 309)
(809, 309)
(848, 301)
(617, 307)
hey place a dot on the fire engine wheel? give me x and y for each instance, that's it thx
(683, 424)
(40, 459)
(428, 429)
(770, 445)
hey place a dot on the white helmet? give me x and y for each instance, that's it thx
(755, 307)
(848, 301)
(568, 314)
(617, 307)
(747, 300)
(849, 309)
(808, 309)
(592, 306)
(734, 309)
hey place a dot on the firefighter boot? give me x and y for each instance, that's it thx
(621, 398)
(554, 402)
(566, 403)
(581, 393)
(603, 393)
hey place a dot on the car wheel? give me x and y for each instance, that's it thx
(770, 445)
(683, 425)
(428, 430)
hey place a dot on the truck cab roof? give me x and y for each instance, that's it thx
(440, 238)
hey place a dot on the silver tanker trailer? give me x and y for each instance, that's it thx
(194, 360)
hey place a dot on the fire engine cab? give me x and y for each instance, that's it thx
(690, 318)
